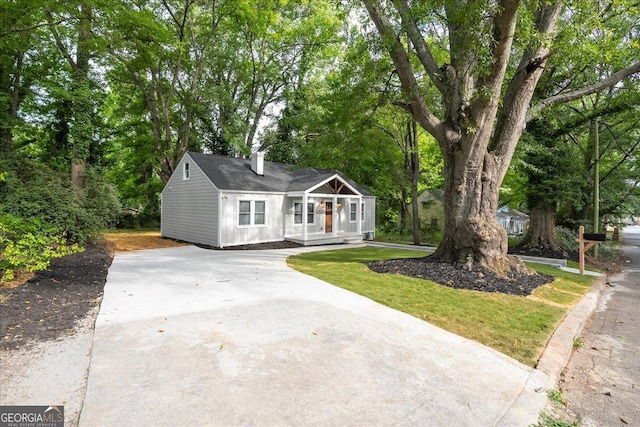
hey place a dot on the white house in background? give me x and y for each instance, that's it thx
(515, 222)
(224, 201)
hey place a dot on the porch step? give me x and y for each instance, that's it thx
(316, 240)
(353, 240)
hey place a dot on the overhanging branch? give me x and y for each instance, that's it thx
(579, 93)
(399, 56)
(422, 50)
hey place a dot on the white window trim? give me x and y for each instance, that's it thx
(186, 171)
(295, 213)
(355, 212)
(252, 213)
(311, 209)
(362, 216)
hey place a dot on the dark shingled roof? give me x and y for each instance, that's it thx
(231, 173)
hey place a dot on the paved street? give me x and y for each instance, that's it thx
(602, 382)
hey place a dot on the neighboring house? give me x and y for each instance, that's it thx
(515, 222)
(431, 214)
(224, 201)
(430, 210)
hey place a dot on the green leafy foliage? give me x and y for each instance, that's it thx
(30, 245)
(32, 190)
(43, 216)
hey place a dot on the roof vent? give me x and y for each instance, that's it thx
(257, 163)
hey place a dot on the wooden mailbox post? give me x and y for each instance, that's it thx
(587, 241)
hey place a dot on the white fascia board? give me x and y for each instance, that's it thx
(274, 193)
(320, 184)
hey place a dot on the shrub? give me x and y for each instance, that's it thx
(42, 216)
(27, 244)
(567, 238)
(35, 191)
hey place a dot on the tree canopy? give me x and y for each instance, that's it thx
(123, 88)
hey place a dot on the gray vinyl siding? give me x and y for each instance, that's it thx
(190, 207)
(234, 234)
(369, 214)
(369, 223)
(293, 229)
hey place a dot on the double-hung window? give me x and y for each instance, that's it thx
(260, 215)
(244, 212)
(353, 212)
(362, 212)
(297, 213)
(252, 212)
(185, 171)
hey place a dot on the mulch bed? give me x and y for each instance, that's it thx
(459, 276)
(51, 302)
(544, 253)
(255, 246)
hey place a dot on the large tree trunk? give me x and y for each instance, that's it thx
(471, 230)
(542, 228)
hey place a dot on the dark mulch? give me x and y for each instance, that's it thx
(458, 276)
(544, 253)
(50, 303)
(256, 246)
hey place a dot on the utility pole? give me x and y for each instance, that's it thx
(596, 184)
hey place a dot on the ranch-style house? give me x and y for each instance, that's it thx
(225, 201)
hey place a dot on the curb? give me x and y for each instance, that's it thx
(560, 346)
(555, 356)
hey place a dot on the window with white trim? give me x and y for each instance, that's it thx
(260, 215)
(185, 171)
(353, 212)
(362, 211)
(244, 212)
(297, 213)
(252, 213)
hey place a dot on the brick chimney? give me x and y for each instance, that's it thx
(257, 162)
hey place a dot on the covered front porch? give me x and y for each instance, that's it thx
(330, 211)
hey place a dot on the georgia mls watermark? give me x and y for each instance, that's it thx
(31, 416)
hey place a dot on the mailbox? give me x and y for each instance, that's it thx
(595, 237)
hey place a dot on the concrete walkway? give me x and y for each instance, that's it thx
(187, 336)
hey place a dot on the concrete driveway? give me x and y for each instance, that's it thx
(195, 337)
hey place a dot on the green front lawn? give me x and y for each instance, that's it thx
(514, 325)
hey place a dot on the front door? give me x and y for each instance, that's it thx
(328, 217)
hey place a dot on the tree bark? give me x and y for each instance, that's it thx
(81, 128)
(541, 234)
(471, 230)
(414, 165)
(477, 135)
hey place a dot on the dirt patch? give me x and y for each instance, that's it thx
(135, 241)
(49, 304)
(459, 276)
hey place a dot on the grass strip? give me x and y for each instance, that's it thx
(514, 325)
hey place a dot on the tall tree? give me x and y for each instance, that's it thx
(70, 26)
(608, 35)
(483, 103)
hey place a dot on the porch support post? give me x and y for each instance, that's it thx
(359, 210)
(304, 216)
(334, 220)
